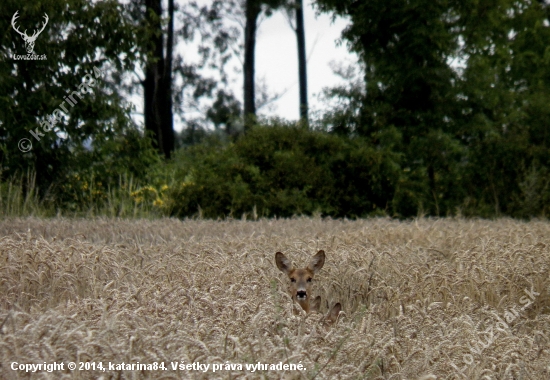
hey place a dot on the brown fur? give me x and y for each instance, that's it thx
(301, 283)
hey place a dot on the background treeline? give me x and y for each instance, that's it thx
(446, 112)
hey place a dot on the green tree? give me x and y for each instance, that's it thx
(409, 84)
(159, 119)
(86, 45)
(504, 97)
(169, 75)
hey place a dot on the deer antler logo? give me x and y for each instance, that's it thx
(29, 40)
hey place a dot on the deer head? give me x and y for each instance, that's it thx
(29, 40)
(301, 284)
(301, 279)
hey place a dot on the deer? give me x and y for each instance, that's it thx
(29, 40)
(301, 283)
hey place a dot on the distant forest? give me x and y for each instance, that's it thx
(447, 112)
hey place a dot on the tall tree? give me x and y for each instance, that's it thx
(158, 77)
(464, 84)
(34, 91)
(409, 84)
(505, 95)
(302, 62)
(252, 11)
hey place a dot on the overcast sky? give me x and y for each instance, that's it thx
(277, 60)
(277, 63)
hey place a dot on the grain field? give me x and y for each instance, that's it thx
(422, 299)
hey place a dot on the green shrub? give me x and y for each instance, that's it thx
(282, 170)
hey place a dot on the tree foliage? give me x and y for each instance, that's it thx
(464, 84)
(80, 37)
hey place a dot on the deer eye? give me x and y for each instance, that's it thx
(309, 279)
(292, 280)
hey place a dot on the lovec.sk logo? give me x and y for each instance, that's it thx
(29, 40)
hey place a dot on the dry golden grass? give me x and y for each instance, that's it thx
(419, 298)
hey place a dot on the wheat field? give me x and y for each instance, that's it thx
(422, 299)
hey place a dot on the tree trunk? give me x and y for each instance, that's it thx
(168, 117)
(302, 64)
(158, 81)
(252, 11)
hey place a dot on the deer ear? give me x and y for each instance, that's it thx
(317, 262)
(334, 312)
(282, 262)
(315, 304)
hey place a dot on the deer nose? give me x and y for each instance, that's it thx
(301, 294)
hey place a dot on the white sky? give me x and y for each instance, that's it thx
(277, 63)
(277, 59)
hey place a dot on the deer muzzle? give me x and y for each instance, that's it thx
(301, 295)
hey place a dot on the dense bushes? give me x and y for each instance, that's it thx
(284, 170)
(281, 171)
